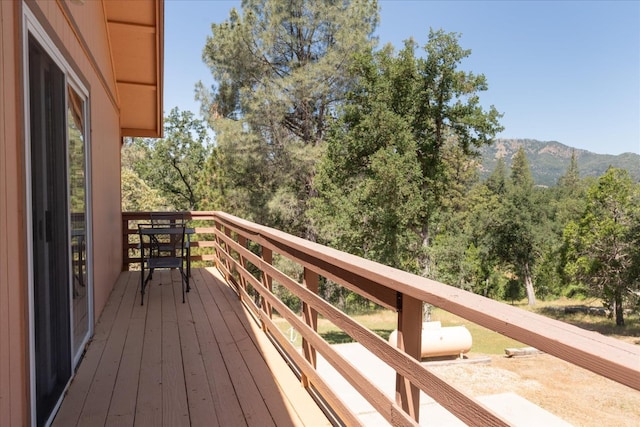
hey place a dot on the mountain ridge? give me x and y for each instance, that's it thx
(549, 160)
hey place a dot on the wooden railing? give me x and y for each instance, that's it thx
(244, 253)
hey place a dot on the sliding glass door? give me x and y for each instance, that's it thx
(61, 276)
(50, 229)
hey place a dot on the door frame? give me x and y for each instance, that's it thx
(32, 27)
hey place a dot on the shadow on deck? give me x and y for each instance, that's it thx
(202, 363)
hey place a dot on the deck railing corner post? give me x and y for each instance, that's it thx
(310, 315)
(267, 282)
(410, 341)
(242, 240)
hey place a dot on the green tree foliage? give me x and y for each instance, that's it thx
(497, 181)
(570, 194)
(280, 69)
(175, 164)
(385, 172)
(137, 196)
(564, 203)
(519, 226)
(454, 255)
(371, 213)
(520, 172)
(571, 179)
(602, 248)
(136, 193)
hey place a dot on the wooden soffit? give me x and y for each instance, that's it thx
(136, 35)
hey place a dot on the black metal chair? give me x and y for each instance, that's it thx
(172, 218)
(162, 246)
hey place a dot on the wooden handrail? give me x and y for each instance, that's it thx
(396, 290)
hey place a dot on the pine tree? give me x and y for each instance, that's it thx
(280, 68)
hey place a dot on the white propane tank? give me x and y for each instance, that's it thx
(440, 341)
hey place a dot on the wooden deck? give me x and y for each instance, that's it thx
(202, 363)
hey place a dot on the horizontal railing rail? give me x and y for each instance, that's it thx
(245, 253)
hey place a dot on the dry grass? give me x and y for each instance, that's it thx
(630, 332)
(381, 322)
(576, 395)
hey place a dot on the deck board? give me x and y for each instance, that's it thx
(98, 398)
(202, 363)
(279, 408)
(217, 374)
(175, 411)
(122, 408)
(253, 406)
(84, 377)
(149, 398)
(199, 397)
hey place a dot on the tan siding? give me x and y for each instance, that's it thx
(82, 31)
(82, 28)
(92, 23)
(13, 331)
(106, 199)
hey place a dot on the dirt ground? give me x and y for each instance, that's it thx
(576, 395)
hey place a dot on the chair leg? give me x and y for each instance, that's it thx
(144, 285)
(188, 262)
(188, 275)
(183, 277)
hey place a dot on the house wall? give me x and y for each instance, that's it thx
(13, 271)
(80, 33)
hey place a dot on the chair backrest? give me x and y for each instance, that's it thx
(163, 240)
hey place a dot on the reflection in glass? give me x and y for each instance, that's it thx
(77, 197)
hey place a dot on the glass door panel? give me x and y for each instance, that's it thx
(78, 220)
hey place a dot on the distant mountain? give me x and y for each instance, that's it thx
(549, 160)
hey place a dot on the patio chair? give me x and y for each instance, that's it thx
(162, 246)
(170, 218)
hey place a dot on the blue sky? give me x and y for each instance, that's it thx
(566, 71)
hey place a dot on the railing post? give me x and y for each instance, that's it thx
(243, 282)
(125, 242)
(267, 282)
(310, 317)
(217, 259)
(410, 341)
(224, 248)
(229, 263)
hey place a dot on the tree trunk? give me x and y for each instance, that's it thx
(528, 285)
(617, 305)
(424, 260)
